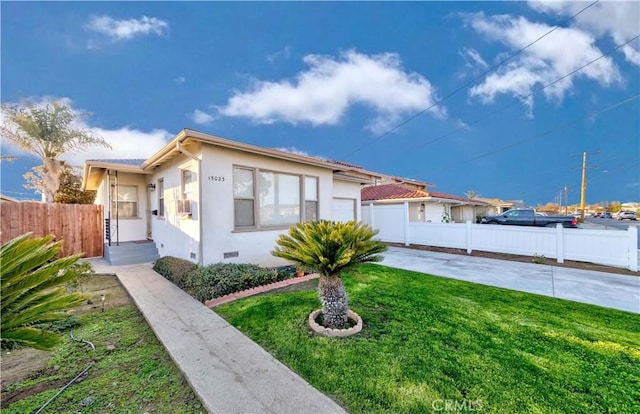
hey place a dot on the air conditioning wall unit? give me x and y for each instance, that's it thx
(183, 207)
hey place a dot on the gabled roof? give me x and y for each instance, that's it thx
(400, 192)
(186, 139)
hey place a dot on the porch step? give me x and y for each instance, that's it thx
(130, 253)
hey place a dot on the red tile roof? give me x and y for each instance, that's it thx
(398, 191)
(390, 192)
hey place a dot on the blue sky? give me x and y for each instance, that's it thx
(331, 79)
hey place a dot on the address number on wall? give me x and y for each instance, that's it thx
(216, 178)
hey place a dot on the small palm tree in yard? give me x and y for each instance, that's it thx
(330, 248)
(32, 291)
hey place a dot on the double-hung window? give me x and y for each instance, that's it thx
(310, 198)
(161, 197)
(188, 179)
(125, 202)
(243, 197)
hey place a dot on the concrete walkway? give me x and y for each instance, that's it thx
(605, 289)
(229, 372)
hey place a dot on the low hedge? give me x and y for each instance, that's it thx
(219, 279)
(174, 269)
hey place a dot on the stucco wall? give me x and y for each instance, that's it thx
(176, 234)
(253, 246)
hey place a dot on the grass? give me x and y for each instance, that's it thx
(136, 376)
(427, 340)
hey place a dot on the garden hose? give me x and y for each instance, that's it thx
(84, 371)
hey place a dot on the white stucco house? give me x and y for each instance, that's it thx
(424, 205)
(209, 199)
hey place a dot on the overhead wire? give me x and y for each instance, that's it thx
(520, 99)
(468, 83)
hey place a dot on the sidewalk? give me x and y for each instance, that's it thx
(604, 289)
(229, 372)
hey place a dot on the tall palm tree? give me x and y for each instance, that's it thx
(48, 131)
(330, 248)
(31, 290)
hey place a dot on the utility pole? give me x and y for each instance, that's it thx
(583, 187)
(566, 200)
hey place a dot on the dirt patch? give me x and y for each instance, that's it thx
(26, 363)
(12, 396)
(109, 286)
(518, 258)
(21, 364)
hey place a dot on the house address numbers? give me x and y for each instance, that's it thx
(216, 178)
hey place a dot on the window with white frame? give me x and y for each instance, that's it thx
(267, 199)
(310, 198)
(125, 202)
(161, 197)
(188, 180)
(279, 199)
(243, 197)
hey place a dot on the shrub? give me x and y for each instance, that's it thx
(31, 291)
(174, 269)
(221, 279)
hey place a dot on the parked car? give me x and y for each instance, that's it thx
(626, 215)
(528, 217)
(605, 215)
(596, 215)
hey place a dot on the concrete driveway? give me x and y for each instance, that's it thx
(604, 289)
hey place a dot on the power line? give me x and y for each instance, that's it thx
(518, 100)
(556, 128)
(469, 83)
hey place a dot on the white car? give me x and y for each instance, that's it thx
(626, 215)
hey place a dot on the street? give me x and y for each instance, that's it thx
(613, 224)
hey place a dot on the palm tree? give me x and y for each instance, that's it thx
(32, 291)
(330, 248)
(48, 131)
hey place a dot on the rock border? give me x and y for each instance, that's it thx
(321, 330)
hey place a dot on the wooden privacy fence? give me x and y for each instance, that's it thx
(78, 225)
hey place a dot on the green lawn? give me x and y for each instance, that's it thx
(428, 339)
(136, 376)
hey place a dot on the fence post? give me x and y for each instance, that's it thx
(633, 248)
(407, 240)
(560, 243)
(468, 228)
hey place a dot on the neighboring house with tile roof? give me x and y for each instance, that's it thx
(424, 205)
(209, 199)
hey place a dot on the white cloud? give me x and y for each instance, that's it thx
(617, 19)
(180, 79)
(200, 117)
(558, 54)
(294, 150)
(280, 54)
(322, 94)
(473, 58)
(127, 29)
(126, 142)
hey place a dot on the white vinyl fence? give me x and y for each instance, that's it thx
(607, 247)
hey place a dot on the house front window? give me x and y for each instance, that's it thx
(270, 199)
(279, 196)
(243, 197)
(125, 202)
(310, 198)
(188, 179)
(161, 197)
